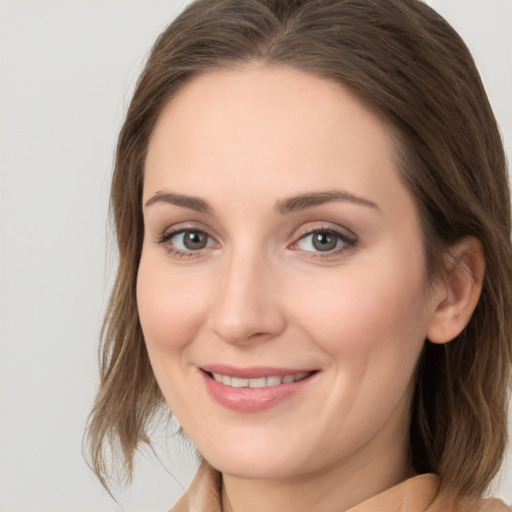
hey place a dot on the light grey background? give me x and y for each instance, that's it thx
(67, 70)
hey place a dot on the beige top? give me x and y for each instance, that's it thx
(418, 494)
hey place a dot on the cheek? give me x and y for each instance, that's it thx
(372, 324)
(367, 310)
(170, 307)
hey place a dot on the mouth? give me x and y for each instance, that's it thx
(258, 382)
(254, 389)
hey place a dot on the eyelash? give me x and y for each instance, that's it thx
(167, 236)
(348, 243)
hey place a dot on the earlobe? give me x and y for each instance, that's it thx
(458, 290)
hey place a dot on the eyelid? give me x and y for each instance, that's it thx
(165, 239)
(348, 237)
(179, 227)
(312, 227)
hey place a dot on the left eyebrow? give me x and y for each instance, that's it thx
(190, 202)
(303, 201)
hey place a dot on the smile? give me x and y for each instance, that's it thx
(250, 390)
(259, 382)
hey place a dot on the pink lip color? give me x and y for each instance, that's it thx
(251, 399)
(253, 372)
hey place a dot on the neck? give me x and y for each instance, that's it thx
(329, 490)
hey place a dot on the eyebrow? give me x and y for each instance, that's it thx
(190, 202)
(283, 206)
(303, 201)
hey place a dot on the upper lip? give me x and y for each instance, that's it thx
(253, 372)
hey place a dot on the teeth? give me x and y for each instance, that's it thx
(260, 382)
(274, 381)
(239, 383)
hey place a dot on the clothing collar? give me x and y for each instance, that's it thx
(418, 494)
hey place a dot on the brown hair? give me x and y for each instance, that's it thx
(405, 61)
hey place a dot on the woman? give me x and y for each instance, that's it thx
(313, 220)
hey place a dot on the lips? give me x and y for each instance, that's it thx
(259, 382)
(254, 389)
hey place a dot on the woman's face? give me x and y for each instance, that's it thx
(282, 287)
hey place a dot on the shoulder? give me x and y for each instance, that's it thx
(452, 504)
(489, 505)
(424, 493)
(495, 505)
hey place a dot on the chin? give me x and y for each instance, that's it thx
(258, 462)
(254, 469)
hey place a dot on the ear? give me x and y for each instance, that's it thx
(458, 290)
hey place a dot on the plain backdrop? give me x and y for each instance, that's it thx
(67, 71)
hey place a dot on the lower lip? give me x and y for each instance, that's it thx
(252, 399)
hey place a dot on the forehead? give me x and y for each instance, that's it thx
(261, 95)
(255, 126)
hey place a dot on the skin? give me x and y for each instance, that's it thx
(260, 294)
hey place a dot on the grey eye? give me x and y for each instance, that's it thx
(321, 241)
(194, 240)
(324, 241)
(190, 240)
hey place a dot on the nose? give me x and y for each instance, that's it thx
(247, 305)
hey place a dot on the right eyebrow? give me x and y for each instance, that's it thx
(308, 200)
(190, 202)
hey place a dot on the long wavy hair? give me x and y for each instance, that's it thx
(407, 63)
